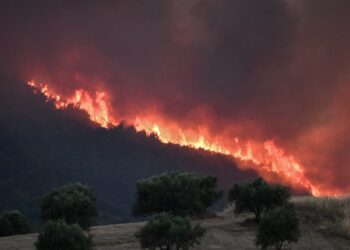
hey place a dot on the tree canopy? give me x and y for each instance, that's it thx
(177, 193)
(166, 232)
(13, 222)
(257, 197)
(58, 235)
(277, 226)
(73, 203)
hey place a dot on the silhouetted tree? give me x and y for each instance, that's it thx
(278, 226)
(166, 232)
(73, 203)
(257, 197)
(13, 222)
(58, 235)
(177, 193)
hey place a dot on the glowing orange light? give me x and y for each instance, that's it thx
(97, 105)
(266, 158)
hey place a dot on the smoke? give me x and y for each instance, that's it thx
(259, 70)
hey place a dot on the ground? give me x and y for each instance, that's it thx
(226, 231)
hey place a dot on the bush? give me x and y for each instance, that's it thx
(13, 222)
(57, 235)
(177, 193)
(277, 226)
(258, 197)
(166, 231)
(73, 203)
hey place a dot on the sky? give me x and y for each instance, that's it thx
(248, 69)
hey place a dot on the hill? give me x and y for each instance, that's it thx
(42, 148)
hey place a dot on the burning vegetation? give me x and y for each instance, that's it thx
(267, 159)
(264, 83)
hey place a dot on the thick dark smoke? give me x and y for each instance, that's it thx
(274, 69)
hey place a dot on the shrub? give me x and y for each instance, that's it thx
(13, 222)
(166, 231)
(58, 235)
(177, 193)
(277, 226)
(74, 203)
(257, 197)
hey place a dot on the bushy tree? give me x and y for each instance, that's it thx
(74, 203)
(257, 197)
(277, 226)
(177, 193)
(13, 222)
(167, 232)
(58, 235)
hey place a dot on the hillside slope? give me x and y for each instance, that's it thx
(224, 232)
(42, 148)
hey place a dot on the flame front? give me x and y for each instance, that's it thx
(266, 158)
(97, 105)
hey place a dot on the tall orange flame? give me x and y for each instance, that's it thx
(265, 158)
(97, 106)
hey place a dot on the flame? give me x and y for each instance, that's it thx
(266, 158)
(97, 105)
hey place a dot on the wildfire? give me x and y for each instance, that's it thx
(266, 158)
(97, 105)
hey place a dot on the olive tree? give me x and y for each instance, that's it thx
(167, 232)
(58, 235)
(13, 222)
(177, 193)
(73, 203)
(277, 226)
(257, 197)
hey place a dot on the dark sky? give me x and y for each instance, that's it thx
(260, 70)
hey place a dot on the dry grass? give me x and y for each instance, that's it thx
(227, 231)
(330, 215)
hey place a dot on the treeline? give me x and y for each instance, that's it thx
(171, 201)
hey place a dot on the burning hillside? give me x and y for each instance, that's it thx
(265, 82)
(267, 159)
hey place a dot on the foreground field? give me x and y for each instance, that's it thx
(328, 215)
(224, 232)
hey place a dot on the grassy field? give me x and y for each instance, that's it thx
(325, 225)
(329, 215)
